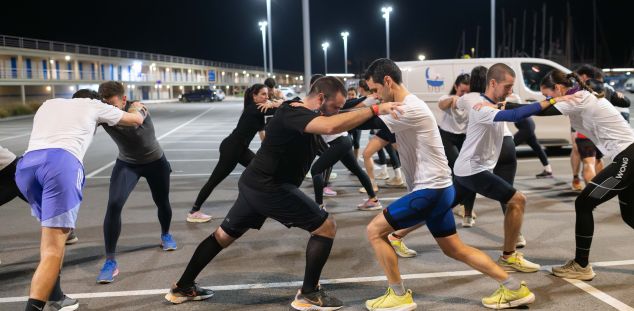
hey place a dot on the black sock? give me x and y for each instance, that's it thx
(317, 252)
(205, 252)
(56, 294)
(34, 305)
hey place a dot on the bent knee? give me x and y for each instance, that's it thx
(518, 200)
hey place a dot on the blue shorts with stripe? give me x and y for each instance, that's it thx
(429, 206)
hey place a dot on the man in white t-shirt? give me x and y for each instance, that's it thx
(481, 151)
(51, 175)
(428, 178)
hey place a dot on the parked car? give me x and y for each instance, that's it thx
(430, 79)
(629, 85)
(203, 95)
(289, 93)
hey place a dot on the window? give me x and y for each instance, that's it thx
(533, 74)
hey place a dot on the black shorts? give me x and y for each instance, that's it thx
(386, 135)
(288, 205)
(487, 184)
(587, 149)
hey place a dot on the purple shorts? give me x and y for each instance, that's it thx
(51, 180)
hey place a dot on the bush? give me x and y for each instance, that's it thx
(11, 110)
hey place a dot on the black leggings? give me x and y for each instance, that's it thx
(124, 178)
(526, 134)
(8, 188)
(356, 138)
(615, 179)
(340, 150)
(232, 151)
(452, 144)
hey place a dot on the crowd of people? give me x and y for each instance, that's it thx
(442, 164)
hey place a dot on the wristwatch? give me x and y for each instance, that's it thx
(551, 100)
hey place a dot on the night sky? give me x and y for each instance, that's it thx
(227, 30)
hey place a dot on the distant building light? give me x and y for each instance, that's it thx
(189, 70)
(67, 57)
(244, 72)
(52, 61)
(167, 69)
(342, 75)
(48, 88)
(181, 87)
(71, 88)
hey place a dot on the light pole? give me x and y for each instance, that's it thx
(325, 46)
(263, 30)
(386, 15)
(268, 18)
(306, 39)
(345, 35)
(492, 28)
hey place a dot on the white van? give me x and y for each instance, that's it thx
(430, 79)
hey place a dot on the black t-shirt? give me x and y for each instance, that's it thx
(287, 152)
(251, 121)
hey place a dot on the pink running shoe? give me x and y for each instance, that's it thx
(370, 205)
(198, 217)
(328, 192)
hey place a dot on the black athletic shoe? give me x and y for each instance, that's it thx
(179, 295)
(72, 238)
(66, 304)
(317, 301)
(545, 174)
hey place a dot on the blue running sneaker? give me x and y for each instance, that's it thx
(109, 270)
(167, 242)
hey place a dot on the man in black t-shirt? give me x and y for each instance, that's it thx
(269, 188)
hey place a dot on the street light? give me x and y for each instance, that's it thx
(421, 57)
(345, 35)
(263, 25)
(268, 18)
(325, 46)
(386, 15)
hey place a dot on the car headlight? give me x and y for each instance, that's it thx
(180, 96)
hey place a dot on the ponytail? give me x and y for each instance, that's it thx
(572, 81)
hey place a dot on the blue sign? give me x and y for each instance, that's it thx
(212, 75)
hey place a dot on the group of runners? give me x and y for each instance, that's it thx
(443, 164)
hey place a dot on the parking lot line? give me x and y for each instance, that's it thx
(617, 304)
(16, 136)
(101, 169)
(416, 276)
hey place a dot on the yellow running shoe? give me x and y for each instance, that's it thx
(517, 262)
(504, 298)
(400, 248)
(392, 302)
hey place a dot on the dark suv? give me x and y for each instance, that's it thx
(204, 95)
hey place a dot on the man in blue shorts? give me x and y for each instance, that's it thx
(51, 176)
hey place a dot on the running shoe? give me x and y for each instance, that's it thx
(72, 238)
(573, 270)
(167, 242)
(370, 205)
(400, 248)
(309, 176)
(468, 221)
(391, 301)
(504, 298)
(66, 304)
(333, 175)
(178, 295)
(328, 192)
(316, 301)
(109, 270)
(459, 211)
(322, 206)
(517, 262)
(382, 175)
(395, 182)
(198, 216)
(544, 174)
(521, 241)
(576, 184)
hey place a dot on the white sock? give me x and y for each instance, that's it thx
(511, 283)
(398, 288)
(397, 173)
(548, 168)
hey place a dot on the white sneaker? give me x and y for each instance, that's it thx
(459, 211)
(309, 176)
(395, 182)
(376, 189)
(333, 175)
(198, 217)
(521, 241)
(468, 222)
(382, 175)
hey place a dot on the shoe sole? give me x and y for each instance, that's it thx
(376, 208)
(402, 255)
(394, 186)
(330, 195)
(467, 225)
(306, 307)
(407, 307)
(178, 300)
(168, 249)
(513, 304)
(72, 241)
(514, 269)
(198, 220)
(520, 245)
(70, 308)
(576, 276)
(116, 272)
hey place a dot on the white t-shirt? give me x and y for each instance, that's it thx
(70, 124)
(419, 146)
(481, 149)
(6, 157)
(453, 120)
(329, 138)
(467, 101)
(597, 119)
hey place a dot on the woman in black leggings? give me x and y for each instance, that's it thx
(526, 134)
(340, 149)
(235, 148)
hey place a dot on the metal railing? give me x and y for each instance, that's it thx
(55, 46)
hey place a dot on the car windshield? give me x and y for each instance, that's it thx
(533, 74)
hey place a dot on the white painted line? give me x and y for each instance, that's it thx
(101, 169)
(16, 136)
(194, 160)
(617, 304)
(415, 276)
(190, 149)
